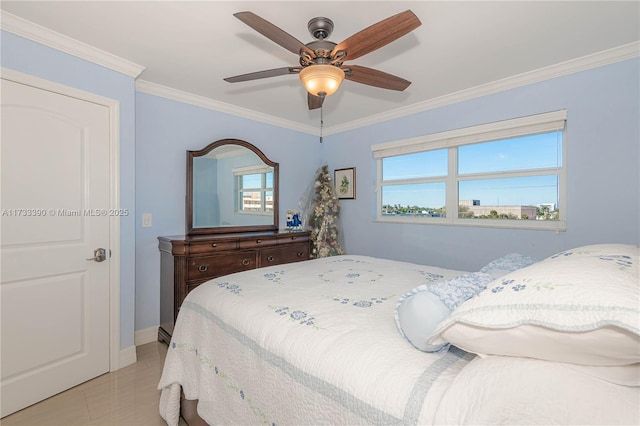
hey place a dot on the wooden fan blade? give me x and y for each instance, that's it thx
(314, 101)
(377, 35)
(263, 74)
(375, 78)
(273, 33)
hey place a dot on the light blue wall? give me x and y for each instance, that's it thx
(165, 130)
(35, 59)
(603, 180)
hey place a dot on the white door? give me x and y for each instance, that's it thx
(55, 200)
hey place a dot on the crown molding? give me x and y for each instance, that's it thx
(598, 59)
(50, 38)
(605, 57)
(203, 102)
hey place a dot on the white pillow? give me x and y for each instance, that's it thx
(604, 346)
(579, 306)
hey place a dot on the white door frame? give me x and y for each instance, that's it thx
(114, 194)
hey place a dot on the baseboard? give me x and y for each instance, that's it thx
(127, 357)
(140, 337)
(147, 335)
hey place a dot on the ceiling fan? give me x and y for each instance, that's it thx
(322, 66)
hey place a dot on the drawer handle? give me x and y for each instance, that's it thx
(245, 262)
(299, 254)
(294, 238)
(203, 268)
(270, 259)
(258, 241)
(214, 245)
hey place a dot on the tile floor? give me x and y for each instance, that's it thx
(128, 397)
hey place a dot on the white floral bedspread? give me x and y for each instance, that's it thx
(306, 343)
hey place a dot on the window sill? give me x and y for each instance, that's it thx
(539, 225)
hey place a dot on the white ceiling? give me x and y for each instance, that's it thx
(192, 45)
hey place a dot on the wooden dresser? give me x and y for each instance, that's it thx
(186, 262)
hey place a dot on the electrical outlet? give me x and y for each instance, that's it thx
(147, 220)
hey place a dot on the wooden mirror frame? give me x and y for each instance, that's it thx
(190, 230)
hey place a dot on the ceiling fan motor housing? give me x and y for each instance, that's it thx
(320, 27)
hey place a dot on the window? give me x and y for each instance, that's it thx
(254, 190)
(505, 174)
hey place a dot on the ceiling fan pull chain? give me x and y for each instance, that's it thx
(321, 120)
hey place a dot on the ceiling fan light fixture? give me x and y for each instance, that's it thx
(321, 79)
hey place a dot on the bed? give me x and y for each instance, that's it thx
(345, 340)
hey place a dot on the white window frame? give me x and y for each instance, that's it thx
(238, 172)
(524, 126)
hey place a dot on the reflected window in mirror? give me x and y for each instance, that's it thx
(254, 190)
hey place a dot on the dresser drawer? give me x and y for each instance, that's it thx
(223, 264)
(293, 238)
(280, 255)
(258, 242)
(206, 247)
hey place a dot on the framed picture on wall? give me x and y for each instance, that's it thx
(345, 183)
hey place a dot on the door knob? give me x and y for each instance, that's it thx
(99, 255)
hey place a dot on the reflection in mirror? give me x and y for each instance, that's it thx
(232, 187)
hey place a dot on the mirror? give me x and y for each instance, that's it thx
(231, 187)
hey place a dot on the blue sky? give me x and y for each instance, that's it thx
(254, 181)
(542, 151)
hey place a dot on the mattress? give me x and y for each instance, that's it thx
(312, 342)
